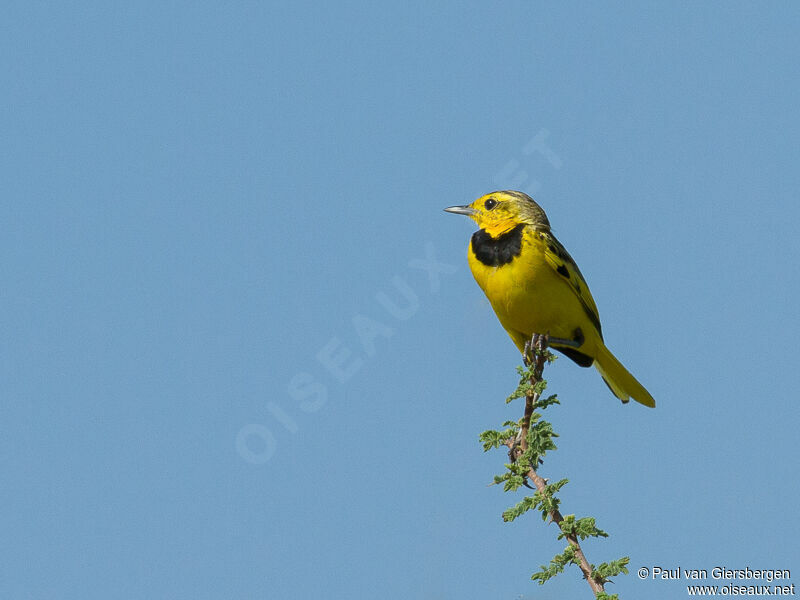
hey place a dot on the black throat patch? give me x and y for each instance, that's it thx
(501, 250)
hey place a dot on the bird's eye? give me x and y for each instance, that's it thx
(490, 203)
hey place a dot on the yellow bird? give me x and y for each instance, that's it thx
(534, 286)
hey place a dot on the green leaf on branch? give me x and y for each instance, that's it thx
(528, 384)
(543, 403)
(556, 566)
(611, 569)
(540, 441)
(581, 528)
(524, 386)
(546, 501)
(511, 480)
(494, 439)
(527, 503)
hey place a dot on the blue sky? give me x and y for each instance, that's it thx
(206, 206)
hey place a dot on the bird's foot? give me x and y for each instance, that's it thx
(538, 341)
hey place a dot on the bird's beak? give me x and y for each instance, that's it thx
(461, 210)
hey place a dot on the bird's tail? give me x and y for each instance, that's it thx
(617, 377)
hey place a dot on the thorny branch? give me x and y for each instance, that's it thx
(519, 445)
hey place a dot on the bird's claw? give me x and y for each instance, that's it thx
(538, 341)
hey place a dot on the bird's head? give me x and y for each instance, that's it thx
(499, 212)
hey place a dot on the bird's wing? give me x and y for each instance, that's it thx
(562, 263)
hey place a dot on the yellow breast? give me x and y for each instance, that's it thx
(526, 292)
